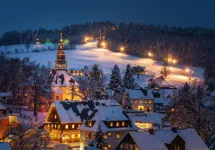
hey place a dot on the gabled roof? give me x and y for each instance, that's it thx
(139, 93)
(108, 113)
(57, 90)
(79, 111)
(147, 141)
(190, 136)
(63, 78)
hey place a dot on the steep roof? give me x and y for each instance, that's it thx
(147, 141)
(190, 136)
(2, 107)
(63, 78)
(78, 111)
(5, 146)
(139, 93)
(151, 117)
(5, 94)
(108, 113)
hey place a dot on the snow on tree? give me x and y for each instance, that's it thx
(165, 71)
(189, 110)
(99, 137)
(91, 146)
(90, 85)
(115, 79)
(127, 102)
(155, 82)
(128, 80)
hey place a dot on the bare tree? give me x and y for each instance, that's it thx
(189, 110)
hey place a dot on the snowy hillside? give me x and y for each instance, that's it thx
(89, 54)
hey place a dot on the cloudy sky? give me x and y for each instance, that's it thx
(32, 14)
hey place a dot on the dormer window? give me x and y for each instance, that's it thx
(89, 123)
(109, 134)
(111, 124)
(73, 126)
(141, 101)
(117, 124)
(123, 124)
(55, 116)
(117, 135)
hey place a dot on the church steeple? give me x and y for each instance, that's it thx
(61, 62)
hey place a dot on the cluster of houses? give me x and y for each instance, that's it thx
(74, 121)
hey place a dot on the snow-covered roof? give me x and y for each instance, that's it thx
(108, 113)
(159, 97)
(192, 139)
(139, 94)
(78, 111)
(2, 107)
(5, 94)
(5, 146)
(150, 117)
(147, 141)
(63, 78)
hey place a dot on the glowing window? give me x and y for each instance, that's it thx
(55, 116)
(135, 101)
(150, 101)
(111, 124)
(58, 126)
(55, 126)
(117, 124)
(109, 146)
(117, 135)
(145, 101)
(141, 101)
(123, 124)
(105, 136)
(109, 134)
(73, 126)
(78, 135)
(73, 136)
(67, 126)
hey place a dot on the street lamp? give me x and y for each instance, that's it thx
(187, 70)
(150, 54)
(122, 48)
(174, 61)
(86, 39)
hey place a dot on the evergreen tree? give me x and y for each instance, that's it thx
(165, 71)
(127, 102)
(115, 80)
(100, 138)
(128, 80)
(98, 95)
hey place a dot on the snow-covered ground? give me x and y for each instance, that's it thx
(88, 54)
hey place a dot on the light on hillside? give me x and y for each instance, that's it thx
(150, 54)
(187, 70)
(174, 61)
(122, 48)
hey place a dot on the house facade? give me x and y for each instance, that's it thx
(141, 99)
(65, 117)
(112, 121)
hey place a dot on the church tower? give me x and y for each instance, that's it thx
(61, 62)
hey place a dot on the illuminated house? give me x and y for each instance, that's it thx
(141, 99)
(6, 121)
(64, 86)
(186, 139)
(64, 118)
(113, 121)
(138, 70)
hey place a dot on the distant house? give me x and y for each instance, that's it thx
(64, 118)
(141, 99)
(186, 139)
(6, 97)
(6, 121)
(114, 123)
(138, 70)
(76, 71)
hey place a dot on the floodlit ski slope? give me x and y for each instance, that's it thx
(89, 54)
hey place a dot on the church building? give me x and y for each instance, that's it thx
(64, 86)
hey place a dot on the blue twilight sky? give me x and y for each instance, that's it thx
(32, 14)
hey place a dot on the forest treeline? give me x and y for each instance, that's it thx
(191, 46)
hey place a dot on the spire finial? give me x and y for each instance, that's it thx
(61, 37)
